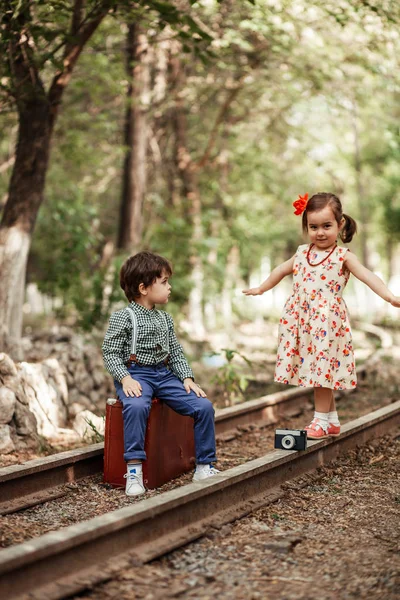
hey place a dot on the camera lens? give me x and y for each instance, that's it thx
(288, 442)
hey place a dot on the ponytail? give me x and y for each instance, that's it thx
(349, 229)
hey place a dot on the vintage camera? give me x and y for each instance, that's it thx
(291, 439)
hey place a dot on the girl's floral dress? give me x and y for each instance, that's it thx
(315, 343)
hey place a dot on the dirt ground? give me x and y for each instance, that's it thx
(334, 534)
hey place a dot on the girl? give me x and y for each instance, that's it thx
(315, 344)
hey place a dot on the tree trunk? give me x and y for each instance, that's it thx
(191, 191)
(197, 290)
(390, 260)
(231, 275)
(162, 132)
(37, 112)
(24, 199)
(136, 141)
(362, 206)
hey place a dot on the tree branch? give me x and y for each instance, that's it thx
(22, 67)
(6, 164)
(81, 35)
(76, 21)
(233, 92)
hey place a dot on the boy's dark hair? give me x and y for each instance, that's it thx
(323, 199)
(143, 267)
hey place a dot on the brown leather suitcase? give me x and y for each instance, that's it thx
(169, 445)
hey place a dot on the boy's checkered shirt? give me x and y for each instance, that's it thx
(154, 342)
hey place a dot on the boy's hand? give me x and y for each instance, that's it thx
(189, 384)
(253, 292)
(131, 387)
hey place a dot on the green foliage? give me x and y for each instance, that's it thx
(95, 435)
(170, 236)
(231, 377)
(69, 241)
(42, 29)
(392, 219)
(67, 258)
(300, 69)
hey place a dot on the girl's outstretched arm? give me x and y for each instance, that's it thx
(273, 279)
(373, 281)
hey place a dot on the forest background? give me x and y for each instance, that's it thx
(188, 128)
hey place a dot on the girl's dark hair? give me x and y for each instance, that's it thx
(323, 199)
(143, 267)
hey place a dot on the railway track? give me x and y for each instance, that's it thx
(174, 518)
(41, 480)
(64, 562)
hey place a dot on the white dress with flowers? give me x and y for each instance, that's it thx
(315, 343)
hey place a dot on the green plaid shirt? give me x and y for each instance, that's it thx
(155, 342)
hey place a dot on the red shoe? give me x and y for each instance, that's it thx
(315, 431)
(333, 430)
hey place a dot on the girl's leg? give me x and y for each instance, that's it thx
(324, 400)
(325, 422)
(320, 408)
(318, 428)
(333, 418)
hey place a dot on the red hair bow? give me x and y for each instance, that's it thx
(300, 204)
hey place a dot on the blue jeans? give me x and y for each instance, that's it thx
(159, 382)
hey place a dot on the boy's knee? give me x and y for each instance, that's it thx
(135, 408)
(206, 407)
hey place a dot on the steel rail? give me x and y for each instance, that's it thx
(40, 480)
(64, 562)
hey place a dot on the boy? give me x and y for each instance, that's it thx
(158, 368)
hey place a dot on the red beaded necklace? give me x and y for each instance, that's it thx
(321, 261)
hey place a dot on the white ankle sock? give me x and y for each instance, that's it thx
(333, 418)
(202, 467)
(137, 466)
(322, 418)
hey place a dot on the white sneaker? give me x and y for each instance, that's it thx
(203, 472)
(134, 482)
